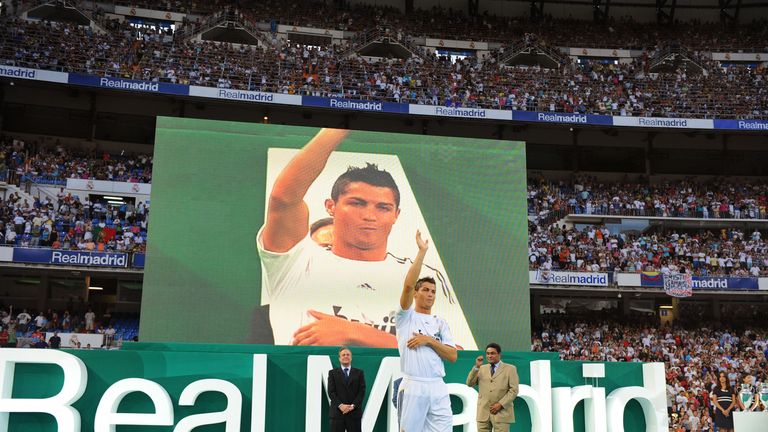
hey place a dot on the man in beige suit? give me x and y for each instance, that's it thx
(498, 385)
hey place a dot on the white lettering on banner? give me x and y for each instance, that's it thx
(753, 125)
(562, 118)
(367, 106)
(714, 283)
(230, 416)
(259, 394)
(107, 415)
(59, 405)
(113, 260)
(460, 112)
(602, 414)
(129, 85)
(246, 95)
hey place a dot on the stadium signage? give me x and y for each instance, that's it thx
(376, 106)
(654, 279)
(244, 95)
(551, 409)
(73, 258)
(552, 277)
(568, 118)
(458, 112)
(663, 122)
(128, 84)
(354, 104)
(33, 74)
(747, 125)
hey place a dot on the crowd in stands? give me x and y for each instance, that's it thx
(24, 160)
(724, 252)
(695, 352)
(29, 327)
(586, 87)
(73, 224)
(702, 252)
(690, 198)
(446, 23)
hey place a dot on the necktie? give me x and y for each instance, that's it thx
(346, 374)
(493, 369)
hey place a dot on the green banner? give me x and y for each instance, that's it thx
(280, 388)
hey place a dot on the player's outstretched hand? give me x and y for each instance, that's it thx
(423, 244)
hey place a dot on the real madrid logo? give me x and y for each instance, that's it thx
(135, 187)
(89, 185)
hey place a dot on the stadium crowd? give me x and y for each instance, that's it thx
(29, 327)
(727, 252)
(585, 87)
(694, 354)
(690, 198)
(447, 23)
(22, 160)
(73, 224)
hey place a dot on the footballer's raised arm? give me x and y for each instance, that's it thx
(287, 213)
(406, 297)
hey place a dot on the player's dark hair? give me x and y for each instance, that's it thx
(495, 346)
(319, 224)
(370, 174)
(421, 281)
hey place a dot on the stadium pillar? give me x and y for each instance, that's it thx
(473, 7)
(2, 106)
(93, 116)
(43, 295)
(537, 11)
(716, 313)
(576, 150)
(648, 153)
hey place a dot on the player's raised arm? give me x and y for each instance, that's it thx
(287, 213)
(406, 298)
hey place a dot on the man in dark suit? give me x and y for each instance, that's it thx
(346, 387)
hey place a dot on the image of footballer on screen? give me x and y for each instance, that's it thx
(335, 244)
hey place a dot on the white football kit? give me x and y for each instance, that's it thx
(423, 402)
(309, 277)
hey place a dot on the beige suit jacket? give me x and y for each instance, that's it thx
(502, 387)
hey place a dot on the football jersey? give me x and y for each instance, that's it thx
(422, 361)
(310, 277)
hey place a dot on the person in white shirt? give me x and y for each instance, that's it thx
(340, 294)
(424, 342)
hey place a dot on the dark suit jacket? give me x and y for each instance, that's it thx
(349, 392)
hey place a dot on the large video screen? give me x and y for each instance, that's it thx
(302, 236)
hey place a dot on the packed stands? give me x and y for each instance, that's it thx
(619, 88)
(31, 325)
(69, 221)
(694, 350)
